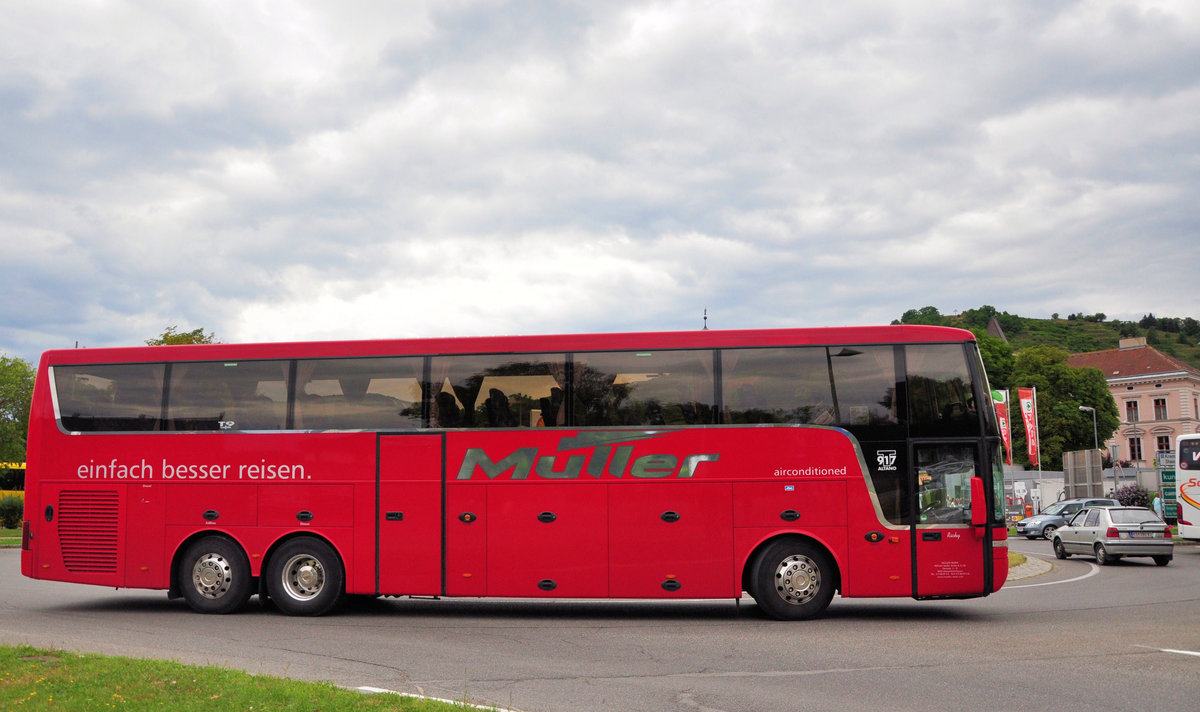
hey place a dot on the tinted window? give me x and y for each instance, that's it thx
(786, 385)
(940, 399)
(246, 395)
(498, 391)
(359, 393)
(864, 385)
(109, 397)
(644, 388)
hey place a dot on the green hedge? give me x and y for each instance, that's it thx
(12, 508)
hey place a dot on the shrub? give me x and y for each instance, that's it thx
(1132, 496)
(12, 508)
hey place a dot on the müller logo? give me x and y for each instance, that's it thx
(886, 460)
(604, 454)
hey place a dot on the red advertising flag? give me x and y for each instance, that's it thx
(1028, 398)
(1000, 398)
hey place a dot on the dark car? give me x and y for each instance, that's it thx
(1057, 514)
(1108, 533)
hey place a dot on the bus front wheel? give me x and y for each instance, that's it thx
(793, 580)
(305, 577)
(214, 576)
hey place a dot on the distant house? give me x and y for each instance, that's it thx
(1158, 398)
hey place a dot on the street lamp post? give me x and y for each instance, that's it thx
(1095, 438)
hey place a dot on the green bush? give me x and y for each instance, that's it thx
(12, 508)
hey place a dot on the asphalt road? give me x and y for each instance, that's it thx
(1076, 637)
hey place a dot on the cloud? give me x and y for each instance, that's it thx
(297, 170)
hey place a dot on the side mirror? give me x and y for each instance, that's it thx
(979, 511)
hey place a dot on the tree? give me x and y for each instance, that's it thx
(16, 393)
(171, 337)
(998, 359)
(1061, 390)
(925, 315)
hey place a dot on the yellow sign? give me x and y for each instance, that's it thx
(12, 465)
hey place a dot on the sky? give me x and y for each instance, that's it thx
(277, 171)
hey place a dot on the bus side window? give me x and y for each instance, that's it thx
(497, 390)
(644, 388)
(110, 398)
(777, 385)
(248, 395)
(359, 394)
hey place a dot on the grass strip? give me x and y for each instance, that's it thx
(33, 679)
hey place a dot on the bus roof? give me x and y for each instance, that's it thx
(514, 344)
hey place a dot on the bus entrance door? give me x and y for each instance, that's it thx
(950, 557)
(409, 515)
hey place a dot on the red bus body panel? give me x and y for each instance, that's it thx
(533, 512)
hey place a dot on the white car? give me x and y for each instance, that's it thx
(1108, 533)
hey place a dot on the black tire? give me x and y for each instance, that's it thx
(1103, 557)
(305, 577)
(1048, 531)
(793, 580)
(1162, 560)
(214, 576)
(1060, 551)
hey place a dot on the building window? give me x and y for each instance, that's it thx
(1131, 411)
(1160, 408)
(1163, 443)
(1135, 449)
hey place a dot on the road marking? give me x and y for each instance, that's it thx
(460, 703)
(1094, 570)
(1169, 650)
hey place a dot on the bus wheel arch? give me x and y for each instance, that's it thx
(792, 577)
(304, 575)
(212, 573)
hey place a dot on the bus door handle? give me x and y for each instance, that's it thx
(394, 516)
(931, 536)
(670, 517)
(304, 515)
(546, 517)
(789, 515)
(211, 515)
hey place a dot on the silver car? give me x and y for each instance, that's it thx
(1108, 533)
(1057, 514)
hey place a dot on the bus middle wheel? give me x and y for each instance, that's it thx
(305, 577)
(214, 576)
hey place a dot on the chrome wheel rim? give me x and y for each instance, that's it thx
(303, 577)
(797, 580)
(212, 575)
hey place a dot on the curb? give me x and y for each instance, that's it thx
(1033, 566)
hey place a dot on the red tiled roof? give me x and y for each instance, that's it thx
(1127, 363)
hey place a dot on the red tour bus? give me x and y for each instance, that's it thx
(790, 464)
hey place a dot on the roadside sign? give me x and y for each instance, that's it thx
(1170, 506)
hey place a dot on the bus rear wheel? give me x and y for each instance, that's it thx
(305, 577)
(214, 576)
(793, 580)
